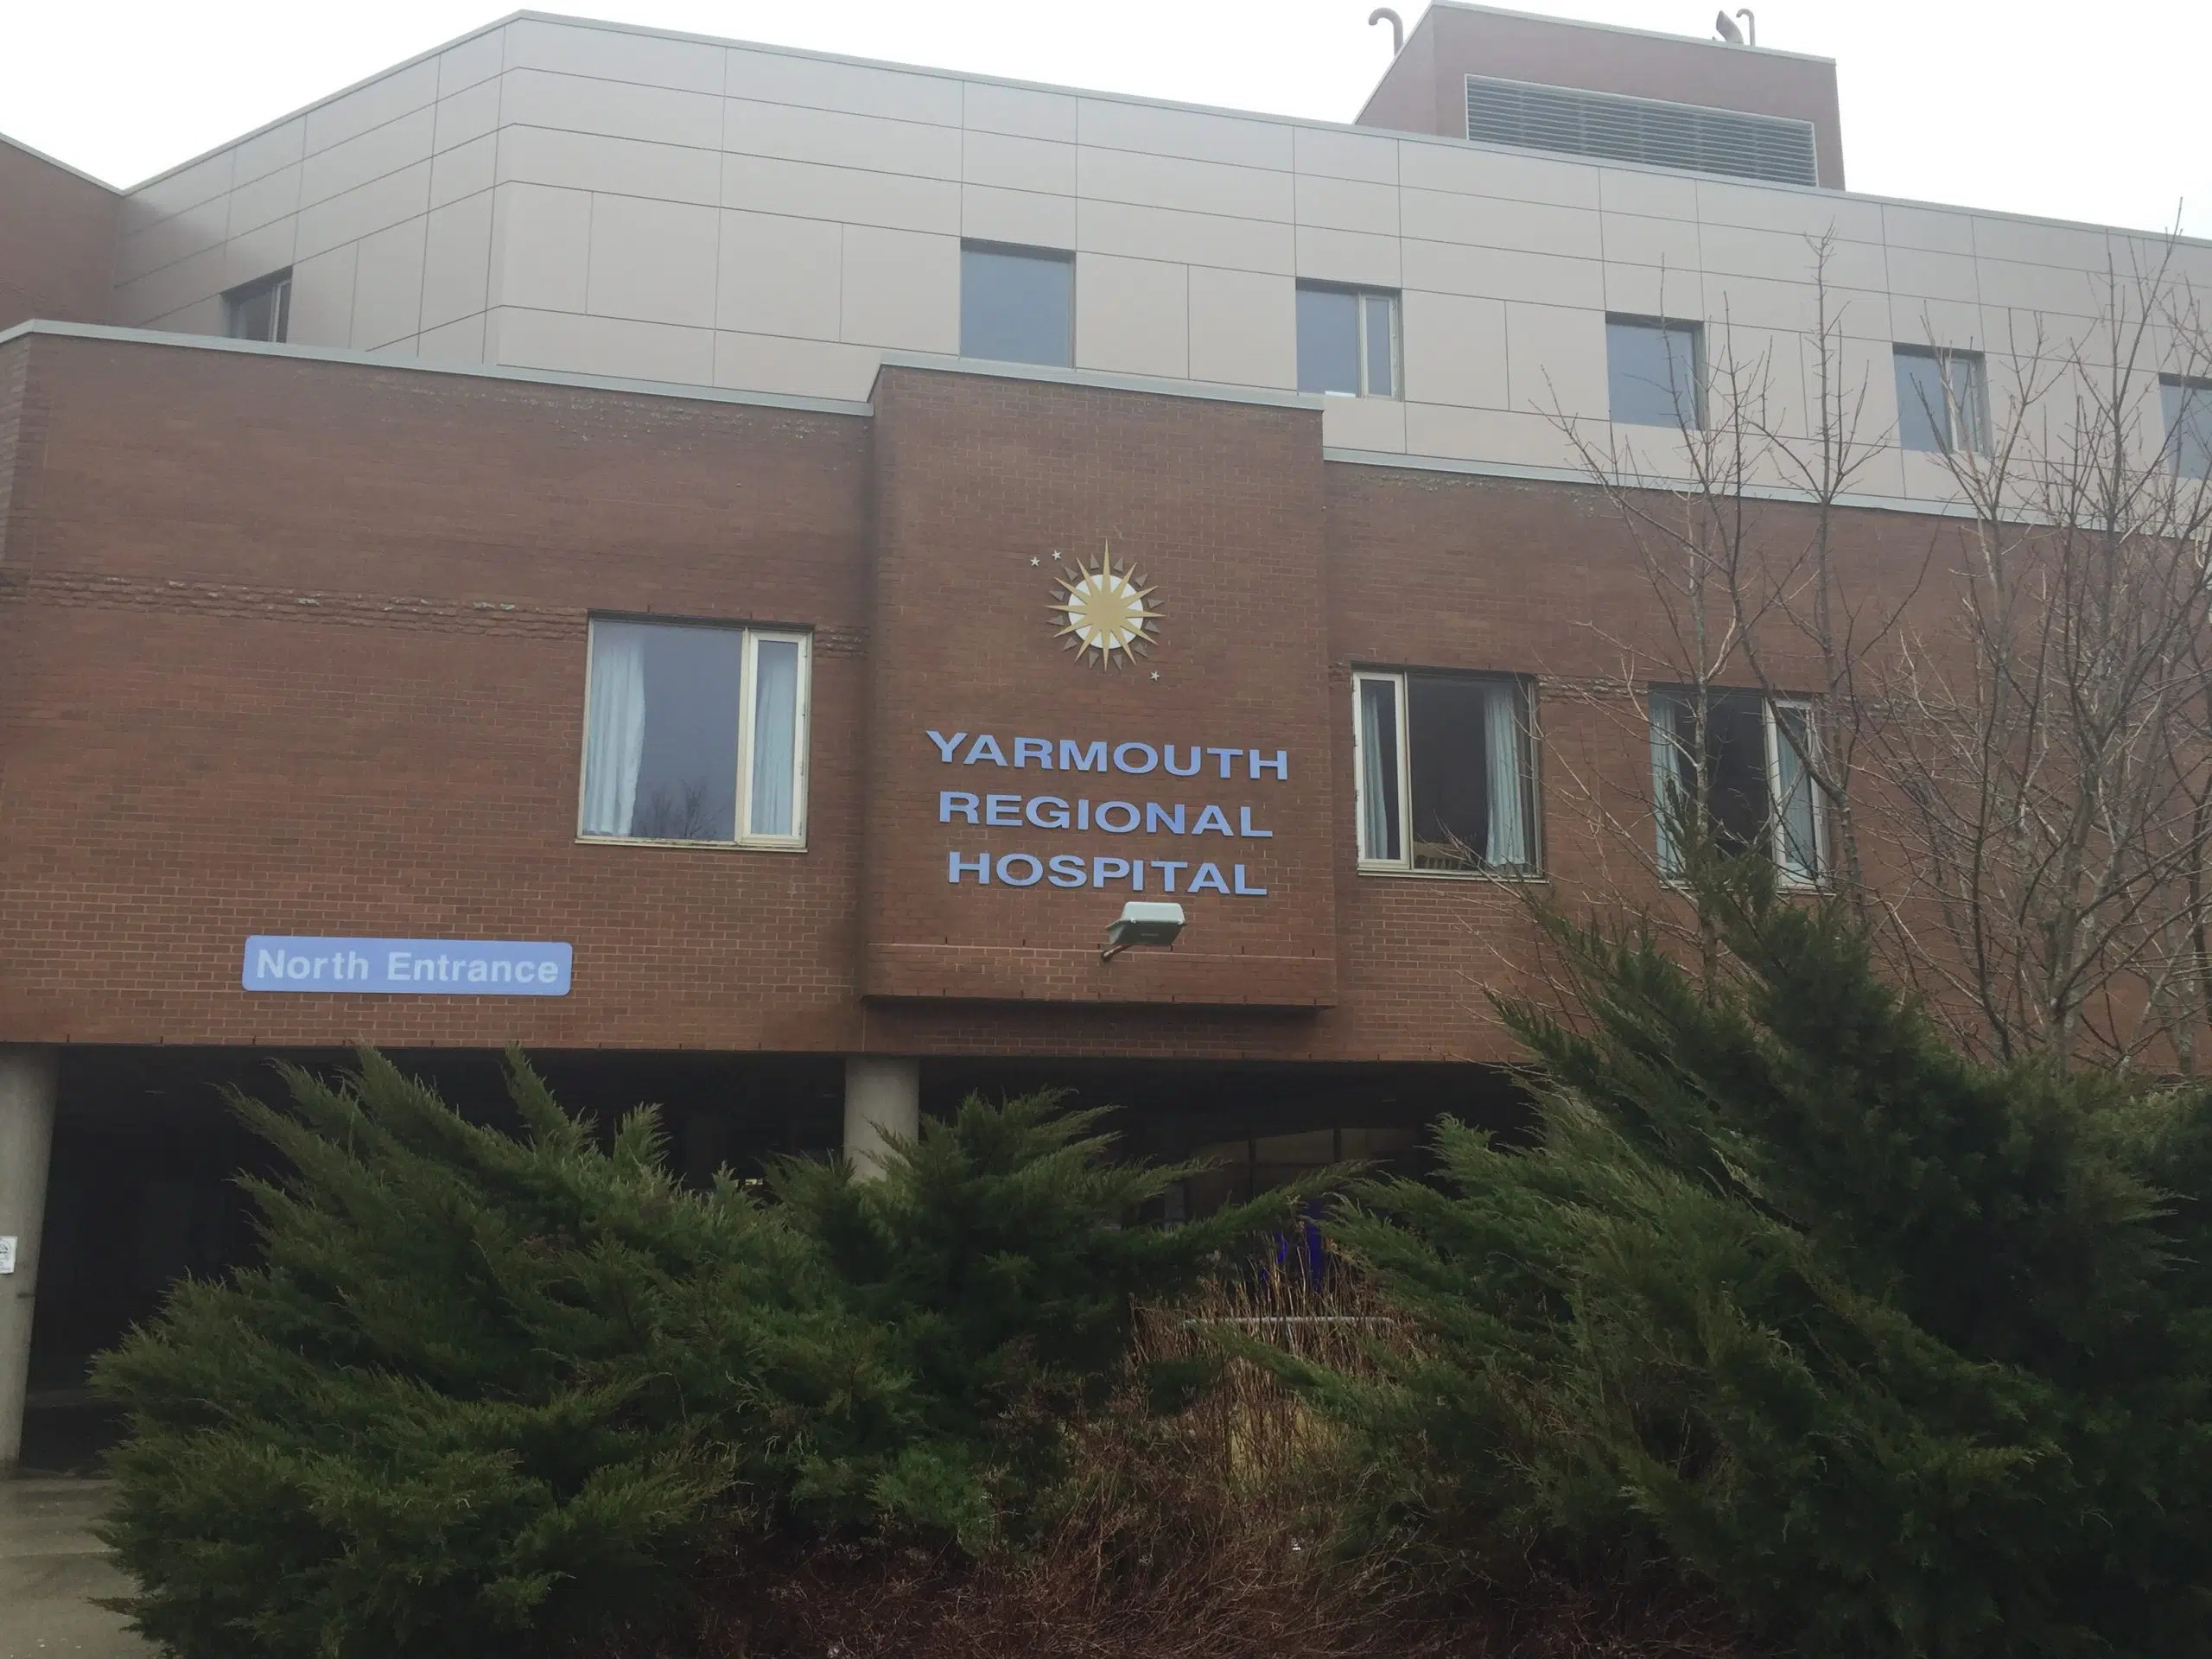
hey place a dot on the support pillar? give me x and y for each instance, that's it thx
(27, 1086)
(882, 1096)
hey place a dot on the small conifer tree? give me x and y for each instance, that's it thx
(488, 1394)
(1903, 1354)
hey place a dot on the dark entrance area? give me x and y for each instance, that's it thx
(143, 1188)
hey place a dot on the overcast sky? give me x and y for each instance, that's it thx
(2071, 110)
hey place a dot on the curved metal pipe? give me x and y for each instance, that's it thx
(1397, 26)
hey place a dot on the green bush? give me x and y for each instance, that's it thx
(1902, 1354)
(489, 1394)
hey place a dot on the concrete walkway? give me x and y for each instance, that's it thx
(51, 1566)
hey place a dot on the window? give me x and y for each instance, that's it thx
(695, 733)
(261, 309)
(2188, 425)
(1754, 762)
(1347, 341)
(1017, 305)
(1443, 781)
(1655, 372)
(1942, 400)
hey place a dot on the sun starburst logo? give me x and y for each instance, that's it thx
(1107, 613)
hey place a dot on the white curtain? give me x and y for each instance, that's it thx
(1378, 767)
(775, 735)
(1509, 819)
(1670, 783)
(1795, 808)
(614, 727)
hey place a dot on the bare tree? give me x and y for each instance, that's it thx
(2013, 747)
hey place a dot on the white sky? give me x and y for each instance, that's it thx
(2053, 107)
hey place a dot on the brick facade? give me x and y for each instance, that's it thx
(293, 647)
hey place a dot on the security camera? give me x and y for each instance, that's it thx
(1142, 923)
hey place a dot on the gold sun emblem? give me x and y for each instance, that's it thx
(1107, 613)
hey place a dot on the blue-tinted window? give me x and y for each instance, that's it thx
(1347, 341)
(1655, 372)
(2189, 426)
(1017, 305)
(1942, 400)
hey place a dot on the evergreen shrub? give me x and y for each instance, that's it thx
(497, 1395)
(1902, 1354)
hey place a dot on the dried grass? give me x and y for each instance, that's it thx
(1187, 1535)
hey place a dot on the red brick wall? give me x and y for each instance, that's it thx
(57, 240)
(297, 647)
(293, 647)
(985, 489)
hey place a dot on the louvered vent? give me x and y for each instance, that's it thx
(1770, 147)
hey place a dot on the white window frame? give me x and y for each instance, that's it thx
(748, 684)
(1971, 411)
(1777, 827)
(1778, 831)
(1363, 297)
(277, 284)
(1368, 864)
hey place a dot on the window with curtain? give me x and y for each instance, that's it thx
(1942, 400)
(1750, 760)
(1445, 781)
(695, 732)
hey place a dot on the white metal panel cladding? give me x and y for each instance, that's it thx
(1775, 148)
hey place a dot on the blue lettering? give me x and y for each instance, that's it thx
(1104, 869)
(1068, 871)
(945, 746)
(1167, 866)
(1213, 818)
(1150, 755)
(1249, 892)
(1280, 766)
(986, 747)
(1128, 809)
(1158, 817)
(1244, 825)
(1036, 871)
(1226, 756)
(1075, 757)
(1198, 759)
(949, 801)
(979, 867)
(269, 964)
(1207, 878)
(1047, 812)
(1004, 811)
(1038, 749)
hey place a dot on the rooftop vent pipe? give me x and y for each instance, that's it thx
(1397, 26)
(1725, 25)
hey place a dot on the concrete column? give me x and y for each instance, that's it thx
(28, 1078)
(882, 1096)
